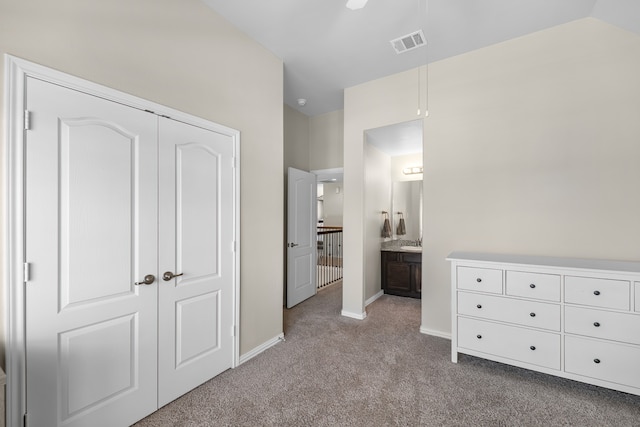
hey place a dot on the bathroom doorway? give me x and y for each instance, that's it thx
(393, 185)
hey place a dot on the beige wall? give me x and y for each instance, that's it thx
(296, 139)
(333, 200)
(367, 106)
(531, 147)
(326, 140)
(183, 55)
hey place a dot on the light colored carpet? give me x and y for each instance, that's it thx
(336, 371)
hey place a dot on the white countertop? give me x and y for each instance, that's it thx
(547, 261)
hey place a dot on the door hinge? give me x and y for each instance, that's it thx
(233, 331)
(234, 162)
(27, 272)
(234, 246)
(27, 121)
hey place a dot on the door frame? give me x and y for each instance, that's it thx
(13, 227)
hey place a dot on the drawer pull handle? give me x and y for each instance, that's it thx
(596, 292)
(532, 286)
(532, 314)
(596, 360)
(479, 305)
(478, 280)
(533, 347)
(596, 324)
(479, 336)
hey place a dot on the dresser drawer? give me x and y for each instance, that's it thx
(605, 293)
(602, 324)
(521, 312)
(533, 285)
(480, 279)
(525, 345)
(603, 360)
(638, 297)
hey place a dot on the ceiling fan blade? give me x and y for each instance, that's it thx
(356, 4)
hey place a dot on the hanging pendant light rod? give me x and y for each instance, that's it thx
(426, 54)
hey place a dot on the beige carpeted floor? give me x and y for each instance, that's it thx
(335, 371)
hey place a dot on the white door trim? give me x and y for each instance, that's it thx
(16, 72)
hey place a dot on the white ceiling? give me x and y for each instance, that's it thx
(326, 47)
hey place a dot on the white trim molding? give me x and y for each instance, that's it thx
(16, 72)
(358, 316)
(373, 298)
(261, 348)
(435, 333)
(13, 243)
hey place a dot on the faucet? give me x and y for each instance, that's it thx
(419, 241)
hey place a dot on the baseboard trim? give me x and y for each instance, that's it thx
(261, 348)
(360, 316)
(373, 298)
(434, 333)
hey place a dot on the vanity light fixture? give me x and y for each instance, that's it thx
(412, 170)
(356, 4)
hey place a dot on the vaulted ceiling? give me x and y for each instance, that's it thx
(326, 47)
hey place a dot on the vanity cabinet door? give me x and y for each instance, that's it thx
(398, 276)
(401, 274)
(417, 278)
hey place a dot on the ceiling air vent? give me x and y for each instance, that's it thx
(409, 42)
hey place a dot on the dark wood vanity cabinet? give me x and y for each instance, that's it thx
(402, 273)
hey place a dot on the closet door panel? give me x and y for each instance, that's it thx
(91, 233)
(196, 244)
(198, 227)
(97, 191)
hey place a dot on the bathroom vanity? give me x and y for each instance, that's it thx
(573, 318)
(402, 270)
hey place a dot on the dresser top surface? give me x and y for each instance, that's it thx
(547, 261)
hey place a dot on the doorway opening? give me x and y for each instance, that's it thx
(330, 202)
(392, 190)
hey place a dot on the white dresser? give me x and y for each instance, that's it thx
(573, 318)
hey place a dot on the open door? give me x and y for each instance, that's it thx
(301, 236)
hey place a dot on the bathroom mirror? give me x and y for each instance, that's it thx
(407, 198)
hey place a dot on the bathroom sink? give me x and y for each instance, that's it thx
(411, 248)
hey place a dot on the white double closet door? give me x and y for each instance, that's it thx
(114, 194)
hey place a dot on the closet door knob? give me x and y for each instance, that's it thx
(532, 314)
(478, 280)
(479, 305)
(596, 360)
(596, 292)
(479, 336)
(169, 275)
(596, 324)
(148, 279)
(532, 286)
(533, 347)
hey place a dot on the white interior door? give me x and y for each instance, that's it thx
(91, 230)
(197, 245)
(301, 236)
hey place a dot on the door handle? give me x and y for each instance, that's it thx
(293, 245)
(148, 279)
(169, 275)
